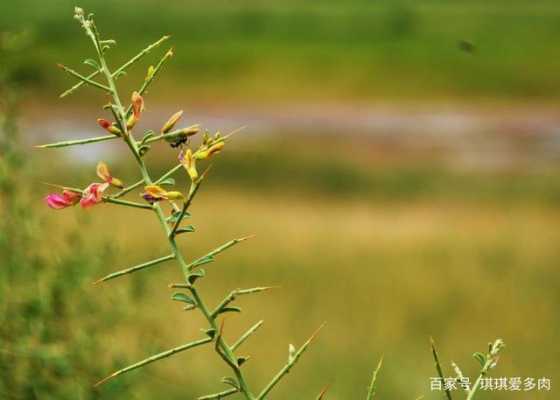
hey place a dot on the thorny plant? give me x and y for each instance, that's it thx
(121, 127)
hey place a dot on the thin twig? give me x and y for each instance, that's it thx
(219, 395)
(153, 358)
(135, 268)
(246, 335)
(210, 256)
(371, 388)
(67, 143)
(291, 361)
(438, 367)
(120, 69)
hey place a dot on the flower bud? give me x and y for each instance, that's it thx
(174, 195)
(210, 151)
(103, 173)
(109, 126)
(137, 108)
(171, 122)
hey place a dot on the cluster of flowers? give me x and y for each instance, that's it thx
(93, 194)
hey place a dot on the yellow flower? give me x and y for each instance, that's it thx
(155, 193)
(171, 122)
(103, 173)
(189, 162)
(210, 151)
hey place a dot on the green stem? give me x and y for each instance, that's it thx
(121, 114)
(67, 143)
(127, 203)
(85, 79)
(156, 357)
(135, 268)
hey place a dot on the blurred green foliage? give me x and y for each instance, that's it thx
(47, 345)
(391, 49)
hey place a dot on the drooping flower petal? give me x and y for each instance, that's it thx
(59, 201)
(189, 163)
(109, 126)
(93, 194)
(171, 122)
(103, 173)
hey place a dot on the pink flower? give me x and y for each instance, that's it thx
(93, 194)
(66, 199)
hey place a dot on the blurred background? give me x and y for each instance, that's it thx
(399, 168)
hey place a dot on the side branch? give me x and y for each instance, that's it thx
(219, 395)
(141, 182)
(246, 335)
(371, 388)
(438, 366)
(67, 143)
(85, 79)
(119, 70)
(208, 258)
(291, 361)
(134, 269)
(156, 357)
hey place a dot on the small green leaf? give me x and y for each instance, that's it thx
(193, 276)
(291, 352)
(210, 332)
(185, 229)
(108, 42)
(229, 309)
(143, 149)
(183, 298)
(168, 181)
(147, 135)
(92, 63)
(175, 216)
(231, 382)
(481, 358)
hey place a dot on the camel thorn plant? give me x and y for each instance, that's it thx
(487, 361)
(157, 199)
(171, 208)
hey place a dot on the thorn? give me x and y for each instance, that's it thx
(241, 239)
(314, 335)
(102, 381)
(323, 392)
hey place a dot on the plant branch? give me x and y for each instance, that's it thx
(219, 395)
(491, 360)
(156, 357)
(438, 367)
(135, 268)
(67, 143)
(120, 69)
(291, 361)
(85, 79)
(210, 256)
(371, 388)
(246, 335)
(141, 182)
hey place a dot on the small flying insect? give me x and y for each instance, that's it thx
(181, 137)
